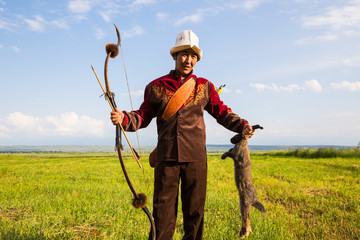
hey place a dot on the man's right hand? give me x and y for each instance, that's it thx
(117, 117)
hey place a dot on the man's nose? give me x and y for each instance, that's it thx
(188, 59)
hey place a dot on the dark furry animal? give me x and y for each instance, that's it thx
(242, 168)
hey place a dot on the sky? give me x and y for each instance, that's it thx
(292, 66)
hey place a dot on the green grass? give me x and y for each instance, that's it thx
(350, 152)
(85, 196)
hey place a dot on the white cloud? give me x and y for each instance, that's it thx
(68, 124)
(290, 88)
(247, 5)
(99, 33)
(336, 18)
(79, 6)
(162, 16)
(352, 62)
(5, 25)
(251, 4)
(312, 85)
(21, 122)
(315, 39)
(136, 30)
(193, 18)
(305, 1)
(315, 63)
(59, 23)
(351, 33)
(106, 15)
(143, 2)
(4, 130)
(1, 46)
(16, 49)
(350, 86)
(200, 13)
(138, 93)
(290, 130)
(37, 25)
(261, 87)
(198, 16)
(108, 10)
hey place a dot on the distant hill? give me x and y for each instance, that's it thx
(108, 148)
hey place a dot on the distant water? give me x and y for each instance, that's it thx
(218, 148)
(107, 148)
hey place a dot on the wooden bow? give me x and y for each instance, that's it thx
(140, 199)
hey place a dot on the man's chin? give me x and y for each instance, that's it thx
(186, 71)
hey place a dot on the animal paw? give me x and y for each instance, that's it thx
(244, 232)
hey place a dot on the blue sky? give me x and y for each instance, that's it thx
(291, 66)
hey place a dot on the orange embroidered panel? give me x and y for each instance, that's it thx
(165, 94)
(194, 98)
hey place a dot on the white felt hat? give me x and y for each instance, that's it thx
(185, 40)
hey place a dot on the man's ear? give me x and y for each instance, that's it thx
(174, 56)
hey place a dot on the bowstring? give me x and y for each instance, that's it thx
(132, 109)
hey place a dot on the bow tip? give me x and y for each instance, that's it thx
(112, 49)
(140, 202)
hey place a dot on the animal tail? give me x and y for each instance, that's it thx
(258, 205)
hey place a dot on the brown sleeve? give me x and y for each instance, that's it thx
(141, 118)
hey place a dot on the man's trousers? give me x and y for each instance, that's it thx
(193, 178)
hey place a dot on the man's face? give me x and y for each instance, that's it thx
(185, 61)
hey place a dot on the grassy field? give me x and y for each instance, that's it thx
(85, 196)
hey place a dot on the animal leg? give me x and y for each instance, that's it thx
(227, 154)
(245, 220)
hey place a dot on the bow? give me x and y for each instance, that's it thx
(140, 199)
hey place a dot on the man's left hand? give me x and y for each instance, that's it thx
(248, 132)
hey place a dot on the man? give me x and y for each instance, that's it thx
(181, 150)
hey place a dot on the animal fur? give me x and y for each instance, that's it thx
(242, 168)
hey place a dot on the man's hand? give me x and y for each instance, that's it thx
(117, 117)
(247, 132)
